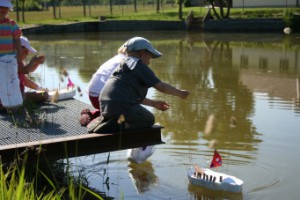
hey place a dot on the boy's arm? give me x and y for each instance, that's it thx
(32, 65)
(30, 84)
(17, 42)
(160, 105)
(168, 89)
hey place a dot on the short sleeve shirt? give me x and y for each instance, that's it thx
(103, 73)
(9, 31)
(126, 87)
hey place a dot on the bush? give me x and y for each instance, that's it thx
(187, 3)
(29, 5)
(295, 22)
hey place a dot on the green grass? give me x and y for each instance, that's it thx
(148, 12)
(14, 184)
(261, 12)
(75, 14)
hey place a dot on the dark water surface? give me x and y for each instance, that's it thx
(246, 84)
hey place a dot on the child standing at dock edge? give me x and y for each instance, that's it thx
(10, 48)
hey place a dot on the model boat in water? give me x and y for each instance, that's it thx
(214, 180)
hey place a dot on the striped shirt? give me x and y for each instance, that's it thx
(9, 31)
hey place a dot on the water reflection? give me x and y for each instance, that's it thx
(216, 90)
(253, 79)
(142, 176)
(202, 193)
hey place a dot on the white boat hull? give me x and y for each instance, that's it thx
(215, 180)
(63, 94)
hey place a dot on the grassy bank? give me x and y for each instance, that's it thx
(16, 184)
(147, 12)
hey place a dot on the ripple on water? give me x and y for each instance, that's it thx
(260, 178)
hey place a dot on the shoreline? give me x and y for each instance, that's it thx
(226, 25)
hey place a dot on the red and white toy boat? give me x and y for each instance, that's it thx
(214, 180)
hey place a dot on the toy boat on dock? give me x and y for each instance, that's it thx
(62, 94)
(214, 180)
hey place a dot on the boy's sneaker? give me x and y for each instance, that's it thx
(86, 117)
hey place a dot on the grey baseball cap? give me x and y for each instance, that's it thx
(140, 43)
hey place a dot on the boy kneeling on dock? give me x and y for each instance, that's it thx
(125, 91)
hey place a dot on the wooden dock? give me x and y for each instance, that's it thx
(53, 131)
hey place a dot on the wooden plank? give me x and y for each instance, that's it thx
(80, 145)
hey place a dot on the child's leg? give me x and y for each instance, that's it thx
(10, 93)
(95, 102)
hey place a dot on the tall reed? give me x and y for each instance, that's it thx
(14, 184)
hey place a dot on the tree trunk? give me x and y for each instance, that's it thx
(214, 9)
(23, 10)
(223, 4)
(227, 13)
(110, 7)
(17, 10)
(134, 4)
(59, 12)
(228, 4)
(180, 9)
(54, 8)
(90, 11)
(221, 8)
(157, 6)
(84, 8)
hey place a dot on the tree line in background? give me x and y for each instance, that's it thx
(41, 5)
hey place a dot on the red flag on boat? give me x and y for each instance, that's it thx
(216, 161)
(70, 83)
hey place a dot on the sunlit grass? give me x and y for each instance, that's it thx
(15, 185)
(76, 14)
(261, 12)
(167, 12)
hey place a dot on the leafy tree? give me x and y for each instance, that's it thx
(28, 5)
(224, 8)
(187, 3)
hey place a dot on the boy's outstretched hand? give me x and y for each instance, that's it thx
(161, 105)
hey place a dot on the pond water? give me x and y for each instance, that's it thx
(245, 86)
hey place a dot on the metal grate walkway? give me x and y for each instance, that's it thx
(54, 128)
(42, 122)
